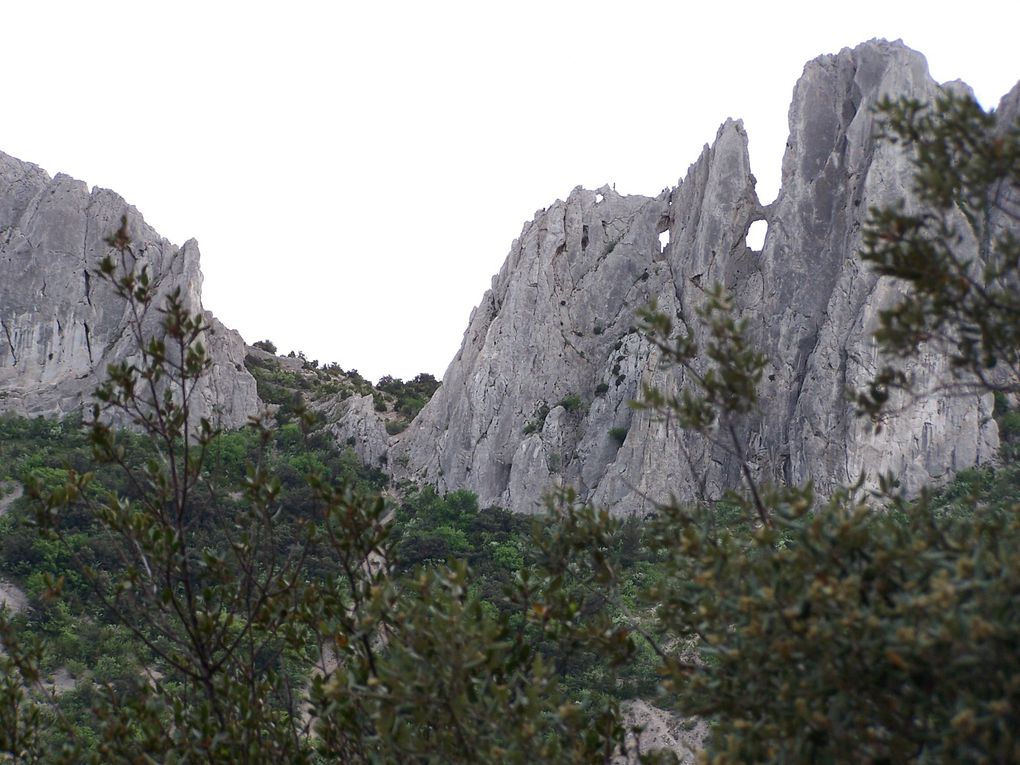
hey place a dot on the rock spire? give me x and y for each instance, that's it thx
(537, 395)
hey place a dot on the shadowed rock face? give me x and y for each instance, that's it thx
(557, 323)
(354, 422)
(60, 325)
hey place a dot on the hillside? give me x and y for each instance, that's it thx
(538, 395)
(346, 579)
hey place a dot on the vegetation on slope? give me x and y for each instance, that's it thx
(221, 569)
(292, 384)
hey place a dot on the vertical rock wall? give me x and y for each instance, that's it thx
(60, 326)
(537, 394)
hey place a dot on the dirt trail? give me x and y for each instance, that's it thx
(15, 599)
(10, 492)
(10, 594)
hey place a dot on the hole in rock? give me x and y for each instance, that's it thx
(756, 235)
(664, 239)
(598, 198)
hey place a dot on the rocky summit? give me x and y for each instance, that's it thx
(61, 325)
(538, 394)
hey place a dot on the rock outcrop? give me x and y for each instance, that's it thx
(660, 731)
(60, 325)
(537, 394)
(354, 422)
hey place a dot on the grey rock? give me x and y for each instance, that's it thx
(659, 731)
(348, 417)
(545, 331)
(354, 422)
(60, 325)
(821, 304)
(559, 320)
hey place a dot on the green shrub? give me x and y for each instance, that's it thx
(538, 421)
(396, 426)
(411, 396)
(572, 403)
(845, 634)
(1009, 432)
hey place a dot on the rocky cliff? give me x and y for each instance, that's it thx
(537, 394)
(60, 326)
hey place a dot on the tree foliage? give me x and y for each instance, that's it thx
(246, 654)
(955, 247)
(863, 627)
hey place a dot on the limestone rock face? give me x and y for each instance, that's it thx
(60, 325)
(354, 422)
(537, 394)
(821, 304)
(660, 731)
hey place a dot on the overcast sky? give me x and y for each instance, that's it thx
(356, 172)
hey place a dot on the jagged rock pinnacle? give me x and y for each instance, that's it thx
(537, 394)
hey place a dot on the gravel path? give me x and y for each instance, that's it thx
(10, 594)
(10, 492)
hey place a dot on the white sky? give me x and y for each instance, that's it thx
(356, 172)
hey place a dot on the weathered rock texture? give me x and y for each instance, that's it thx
(60, 325)
(558, 323)
(354, 422)
(660, 730)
